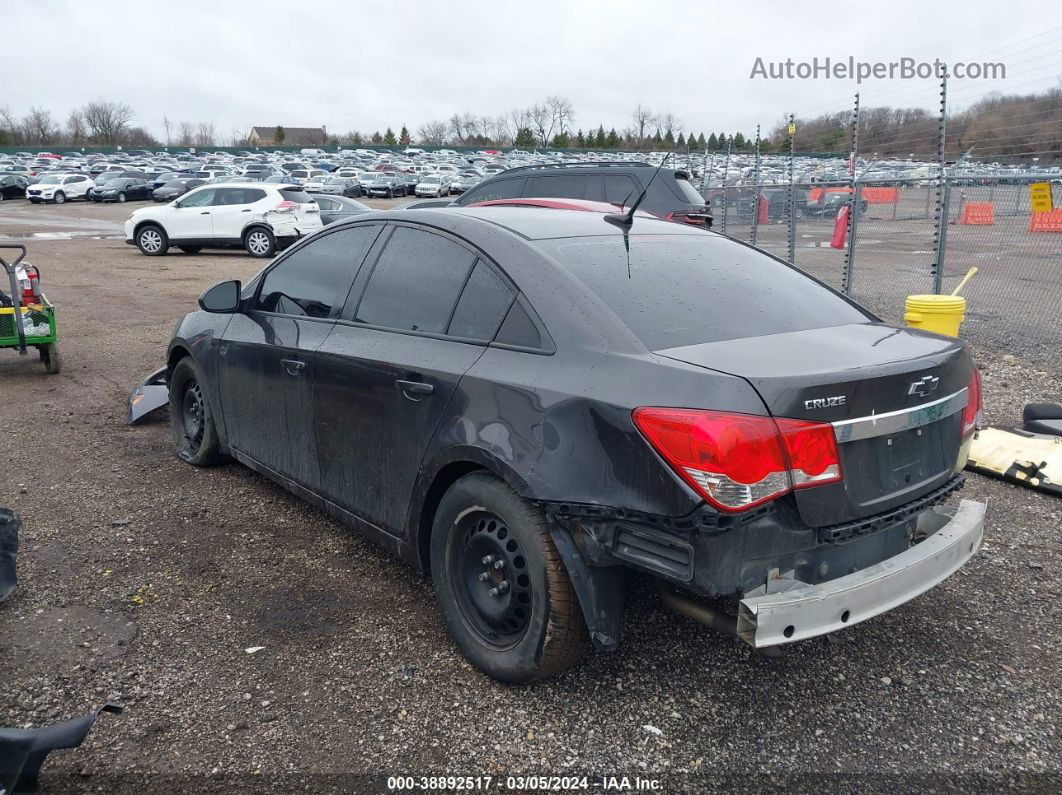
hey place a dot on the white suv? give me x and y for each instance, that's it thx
(259, 217)
(60, 187)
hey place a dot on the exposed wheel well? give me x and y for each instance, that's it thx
(256, 225)
(175, 356)
(444, 479)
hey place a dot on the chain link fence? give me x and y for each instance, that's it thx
(1014, 303)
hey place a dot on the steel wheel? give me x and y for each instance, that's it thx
(151, 240)
(192, 415)
(489, 576)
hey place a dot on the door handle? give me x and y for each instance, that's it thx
(246, 211)
(412, 388)
(292, 366)
(205, 212)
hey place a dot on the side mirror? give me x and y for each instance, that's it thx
(223, 298)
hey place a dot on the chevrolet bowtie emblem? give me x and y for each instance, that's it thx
(924, 386)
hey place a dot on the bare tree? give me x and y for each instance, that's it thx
(205, 134)
(76, 132)
(107, 121)
(433, 133)
(10, 127)
(550, 118)
(669, 123)
(38, 126)
(187, 135)
(642, 118)
(166, 124)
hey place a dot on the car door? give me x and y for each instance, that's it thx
(389, 369)
(233, 211)
(266, 354)
(190, 216)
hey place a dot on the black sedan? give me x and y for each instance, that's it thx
(121, 190)
(13, 186)
(175, 189)
(339, 208)
(527, 401)
(387, 185)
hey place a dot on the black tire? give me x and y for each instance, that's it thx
(121, 197)
(49, 354)
(191, 420)
(534, 627)
(60, 197)
(152, 241)
(260, 242)
(190, 249)
(390, 193)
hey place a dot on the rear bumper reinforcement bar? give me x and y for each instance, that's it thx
(804, 611)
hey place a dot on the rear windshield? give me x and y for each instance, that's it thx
(688, 289)
(298, 196)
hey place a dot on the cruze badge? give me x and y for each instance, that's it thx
(924, 386)
(824, 403)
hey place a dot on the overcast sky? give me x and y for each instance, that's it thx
(366, 66)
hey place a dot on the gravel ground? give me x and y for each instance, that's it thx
(145, 581)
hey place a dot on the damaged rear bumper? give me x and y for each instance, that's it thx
(787, 610)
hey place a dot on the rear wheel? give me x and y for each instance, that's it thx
(260, 242)
(191, 420)
(501, 585)
(60, 197)
(152, 241)
(49, 354)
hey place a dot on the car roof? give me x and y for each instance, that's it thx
(540, 223)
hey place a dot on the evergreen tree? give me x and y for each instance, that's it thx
(739, 141)
(722, 141)
(278, 136)
(713, 142)
(612, 141)
(561, 141)
(580, 140)
(377, 138)
(525, 139)
(681, 142)
(389, 137)
(600, 139)
(403, 137)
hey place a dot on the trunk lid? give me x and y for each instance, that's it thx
(894, 395)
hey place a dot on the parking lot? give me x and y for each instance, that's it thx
(145, 581)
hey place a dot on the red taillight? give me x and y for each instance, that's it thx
(286, 207)
(738, 461)
(971, 415)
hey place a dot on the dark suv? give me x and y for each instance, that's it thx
(671, 196)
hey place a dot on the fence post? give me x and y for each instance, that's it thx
(849, 252)
(942, 193)
(791, 200)
(756, 188)
(726, 170)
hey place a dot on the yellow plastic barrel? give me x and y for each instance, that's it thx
(942, 314)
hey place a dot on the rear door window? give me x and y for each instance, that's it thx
(618, 187)
(315, 278)
(491, 191)
(560, 186)
(677, 290)
(416, 282)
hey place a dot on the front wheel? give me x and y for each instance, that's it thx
(121, 198)
(152, 241)
(260, 243)
(60, 197)
(191, 420)
(501, 585)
